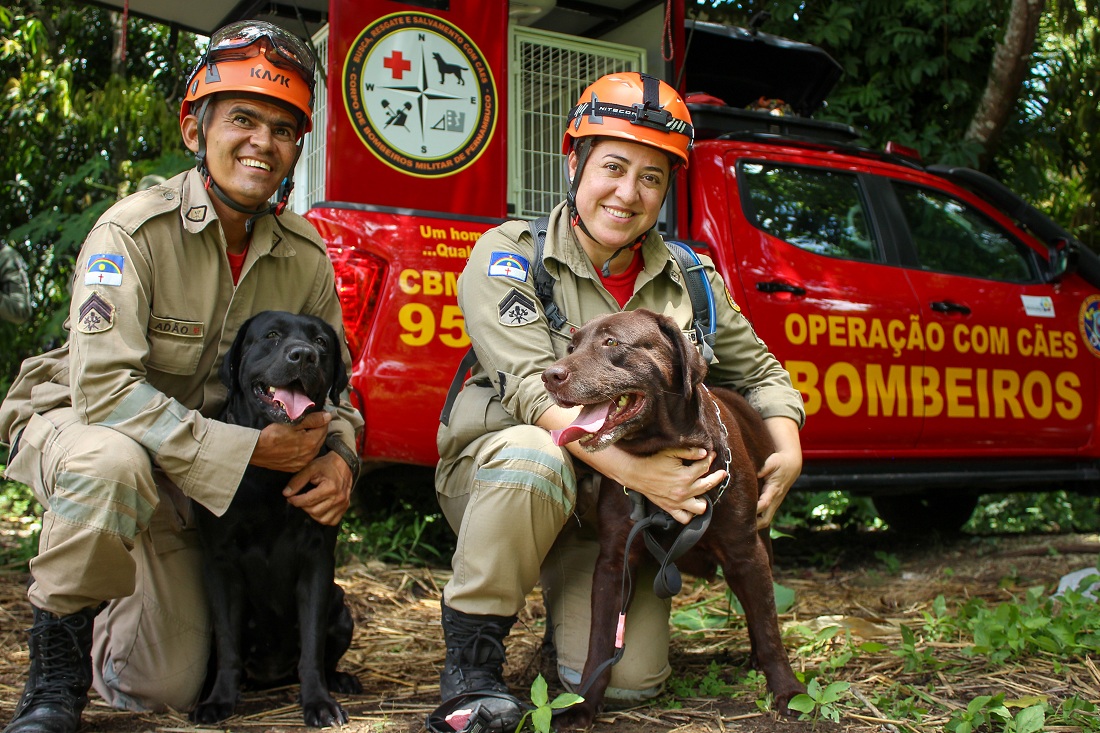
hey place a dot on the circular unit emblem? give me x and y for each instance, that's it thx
(420, 94)
(1089, 322)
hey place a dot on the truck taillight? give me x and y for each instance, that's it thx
(358, 278)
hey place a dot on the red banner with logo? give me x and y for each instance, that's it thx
(417, 106)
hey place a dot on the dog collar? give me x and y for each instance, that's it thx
(725, 440)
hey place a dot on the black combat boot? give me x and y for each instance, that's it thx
(472, 681)
(60, 674)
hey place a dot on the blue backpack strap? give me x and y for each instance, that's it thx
(705, 322)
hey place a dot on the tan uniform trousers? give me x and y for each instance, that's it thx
(512, 499)
(113, 532)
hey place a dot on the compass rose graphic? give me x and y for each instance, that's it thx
(420, 94)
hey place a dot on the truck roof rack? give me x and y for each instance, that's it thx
(711, 121)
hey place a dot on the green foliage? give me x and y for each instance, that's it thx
(544, 707)
(1037, 624)
(819, 702)
(917, 655)
(827, 509)
(889, 560)
(406, 538)
(983, 710)
(80, 132)
(1055, 511)
(914, 72)
(19, 509)
(700, 617)
(709, 684)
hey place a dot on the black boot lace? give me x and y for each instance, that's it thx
(59, 647)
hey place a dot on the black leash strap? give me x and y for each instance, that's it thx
(668, 582)
(667, 578)
(464, 366)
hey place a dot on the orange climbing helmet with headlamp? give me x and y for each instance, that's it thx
(635, 107)
(256, 57)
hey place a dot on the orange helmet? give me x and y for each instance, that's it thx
(635, 107)
(257, 57)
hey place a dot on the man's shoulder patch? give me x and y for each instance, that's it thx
(516, 309)
(104, 269)
(508, 264)
(96, 314)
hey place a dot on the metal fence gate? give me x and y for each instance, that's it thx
(549, 72)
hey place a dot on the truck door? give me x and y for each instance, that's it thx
(822, 287)
(1011, 373)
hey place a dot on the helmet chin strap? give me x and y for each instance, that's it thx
(285, 187)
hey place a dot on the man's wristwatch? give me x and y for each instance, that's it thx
(341, 449)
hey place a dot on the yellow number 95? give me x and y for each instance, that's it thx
(419, 325)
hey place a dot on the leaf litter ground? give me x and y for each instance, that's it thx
(867, 583)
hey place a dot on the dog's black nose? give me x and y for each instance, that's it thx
(555, 375)
(301, 354)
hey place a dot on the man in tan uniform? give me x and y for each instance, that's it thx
(114, 431)
(523, 507)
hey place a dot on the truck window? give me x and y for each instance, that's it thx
(816, 210)
(951, 236)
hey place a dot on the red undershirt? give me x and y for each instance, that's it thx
(621, 286)
(236, 263)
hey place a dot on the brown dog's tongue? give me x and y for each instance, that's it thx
(295, 403)
(590, 420)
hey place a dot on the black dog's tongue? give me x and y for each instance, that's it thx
(590, 420)
(294, 402)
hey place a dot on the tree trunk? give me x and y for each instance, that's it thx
(1011, 60)
(118, 145)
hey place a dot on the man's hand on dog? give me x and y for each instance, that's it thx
(293, 448)
(329, 481)
(289, 447)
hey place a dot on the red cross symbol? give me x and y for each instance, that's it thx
(397, 64)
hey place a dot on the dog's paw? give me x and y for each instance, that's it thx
(324, 714)
(211, 712)
(783, 699)
(344, 683)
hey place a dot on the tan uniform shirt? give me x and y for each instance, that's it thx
(514, 343)
(154, 309)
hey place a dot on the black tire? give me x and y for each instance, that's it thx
(945, 513)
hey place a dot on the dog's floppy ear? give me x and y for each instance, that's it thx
(232, 361)
(684, 354)
(339, 371)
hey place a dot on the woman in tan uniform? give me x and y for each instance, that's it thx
(521, 506)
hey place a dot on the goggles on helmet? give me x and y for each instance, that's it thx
(636, 114)
(244, 40)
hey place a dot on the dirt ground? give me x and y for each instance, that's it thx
(867, 582)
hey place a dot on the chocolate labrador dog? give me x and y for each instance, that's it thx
(268, 567)
(640, 382)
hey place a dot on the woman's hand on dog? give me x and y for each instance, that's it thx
(329, 482)
(290, 447)
(674, 479)
(780, 469)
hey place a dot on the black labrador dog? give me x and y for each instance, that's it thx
(268, 567)
(641, 384)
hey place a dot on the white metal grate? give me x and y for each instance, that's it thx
(309, 174)
(549, 72)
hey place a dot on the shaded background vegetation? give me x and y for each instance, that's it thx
(84, 116)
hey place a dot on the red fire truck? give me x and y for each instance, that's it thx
(944, 334)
